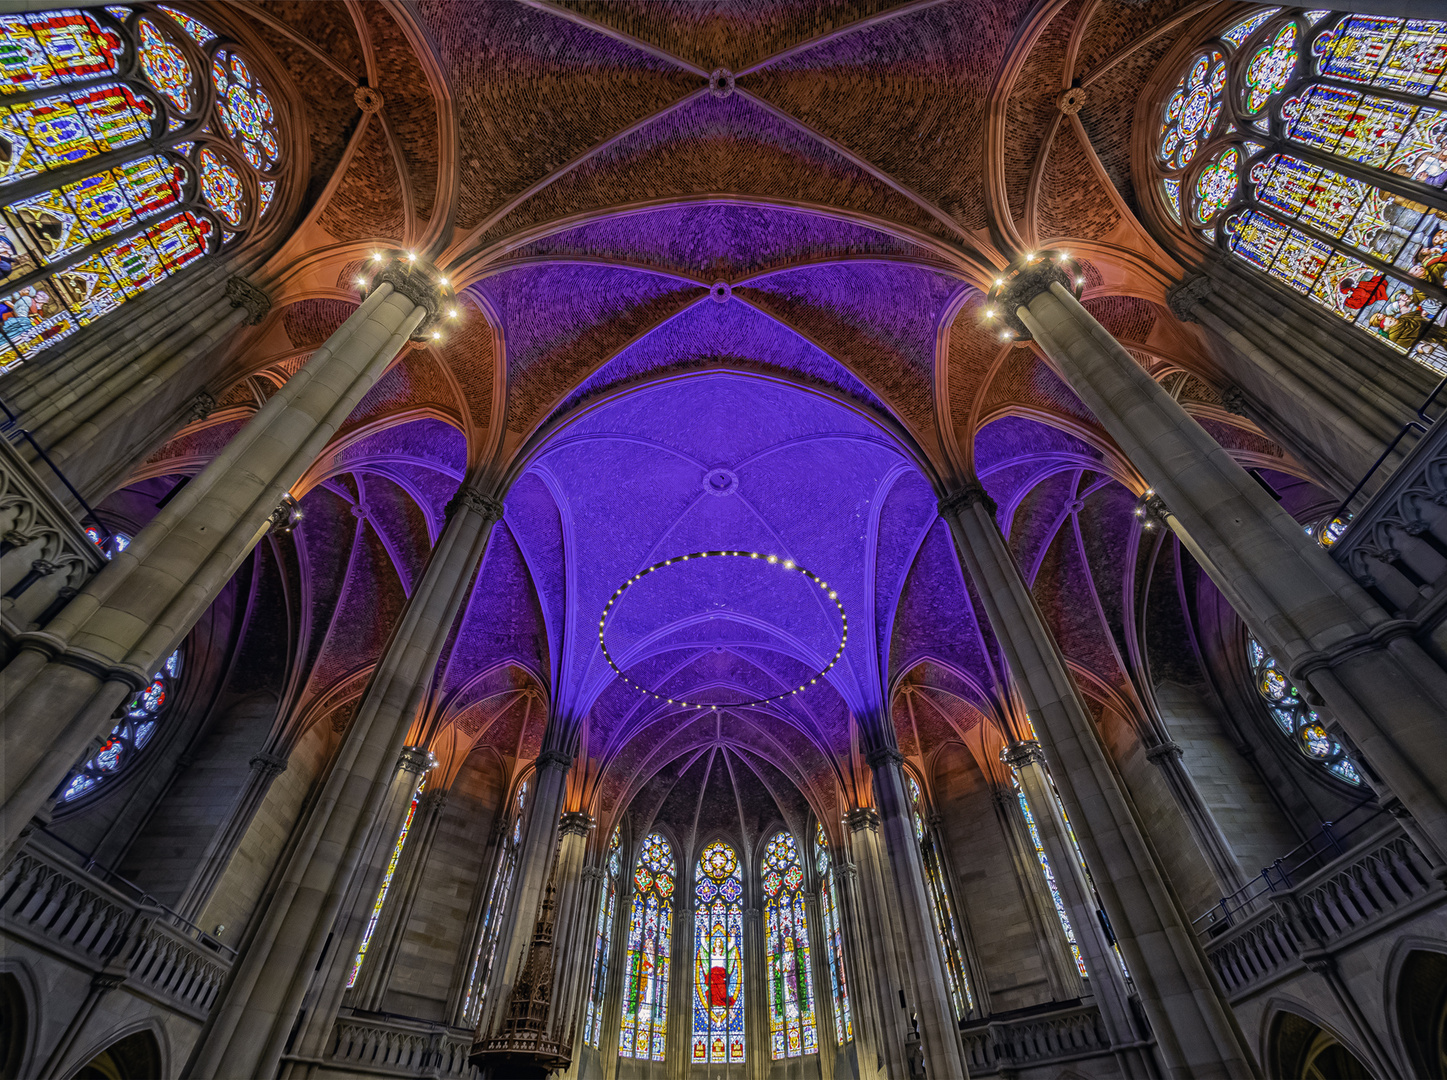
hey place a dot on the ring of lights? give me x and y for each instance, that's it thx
(788, 565)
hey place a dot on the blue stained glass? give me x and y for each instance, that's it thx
(946, 927)
(833, 939)
(137, 724)
(643, 1028)
(602, 941)
(718, 984)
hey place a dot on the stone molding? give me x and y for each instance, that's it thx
(1071, 101)
(489, 506)
(414, 759)
(879, 756)
(416, 284)
(554, 759)
(243, 294)
(1185, 297)
(1025, 752)
(957, 502)
(369, 99)
(1030, 281)
(433, 801)
(1233, 400)
(1162, 752)
(201, 405)
(269, 765)
(863, 817)
(575, 823)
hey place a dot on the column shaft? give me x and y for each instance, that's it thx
(1334, 641)
(828, 1023)
(756, 997)
(61, 688)
(1196, 1032)
(879, 933)
(265, 768)
(859, 971)
(360, 809)
(573, 928)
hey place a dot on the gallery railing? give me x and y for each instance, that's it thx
(1047, 1038)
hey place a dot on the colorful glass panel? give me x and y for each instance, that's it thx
(221, 187)
(833, 939)
(165, 66)
(1217, 184)
(1192, 109)
(946, 928)
(199, 32)
(792, 1027)
(1243, 29)
(602, 942)
(54, 47)
(643, 1029)
(386, 884)
(136, 725)
(718, 984)
(1270, 69)
(1049, 874)
(55, 131)
(1293, 716)
(499, 890)
(245, 109)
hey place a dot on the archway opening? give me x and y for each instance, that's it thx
(1422, 1013)
(136, 1057)
(1301, 1050)
(14, 1026)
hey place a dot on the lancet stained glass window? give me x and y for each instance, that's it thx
(134, 729)
(946, 927)
(1049, 874)
(602, 942)
(833, 938)
(386, 884)
(81, 90)
(792, 1027)
(718, 977)
(1296, 720)
(644, 1026)
(1321, 160)
(498, 891)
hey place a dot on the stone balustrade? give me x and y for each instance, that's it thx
(1379, 882)
(58, 908)
(1047, 1038)
(396, 1046)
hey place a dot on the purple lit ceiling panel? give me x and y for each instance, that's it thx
(936, 617)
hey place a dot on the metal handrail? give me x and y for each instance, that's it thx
(1421, 423)
(89, 865)
(11, 420)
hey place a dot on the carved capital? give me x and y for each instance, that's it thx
(575, 824)
(286, 516)
(1026, 752)
(470, 499)
(863, 817)
(1163, 752)
(269, 766)
(1184, 298)
(554, 759)
(433, 801)
(1152, 510)
(1233, 400)
(883, 755)
(243, 294)
(417, 284)
(957, 502)
(594, 873)
(414, 759)
(201, 405)
(1023, 282)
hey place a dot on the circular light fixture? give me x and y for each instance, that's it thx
(787, 565)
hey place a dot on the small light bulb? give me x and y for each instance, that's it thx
(1064, 255)
(442, 281)
(436, 336)
(999, 283)
(452, 314)
(376, 256)
(1080, 281)
(362, 282)
(411, 256)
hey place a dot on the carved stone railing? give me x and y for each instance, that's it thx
(1396, 545)
(1054, 1037)
(1370, 888)
(44, 553)
(59, 908)
(395, 1046)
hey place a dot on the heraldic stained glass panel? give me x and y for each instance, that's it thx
(792, 1027)
(946, 928)
(135, 728)
(718, 976)
(602, 941)
(644, 1026)
(386, 884)
(833, 938)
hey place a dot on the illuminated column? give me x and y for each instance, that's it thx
(307, 936)
(64, 682)
(1334, 642)
(678, 1046)
(826, 1022)
(573, 929)
(1196, 1034)
(859, 969)
(756, 993)
(617, 957)
(924, 980)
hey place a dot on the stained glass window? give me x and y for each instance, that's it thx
(499, 889)
(718, 976)
(1297, 721)
(946, 927)
(833, 938)
(602, 942)
(644, 1026)
(135, 726)
(1327, 171)
(1049, 874)
(86, 86)
(792, 1027)
(386, 884)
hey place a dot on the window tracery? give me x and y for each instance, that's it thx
(833, 938)
(120, 162)
(718, 984)
(1049, 874)
(1313, 146)
(1298, 722)
(792, 1025)
(946, 927)
(602, 941)
(644, 1027)
(131, 734)
(480, 974)
(386, 884)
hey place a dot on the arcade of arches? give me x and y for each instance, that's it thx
(639, 539)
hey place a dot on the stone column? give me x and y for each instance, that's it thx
(826, 1022)
(757, 1036)
(298, 944)
(101, 436)
(1336, 644)
(265, 768)
(1166, 756)
(573, 930)
(872, 940)
(924, 966)
(1196, 1033)
(534, 862)
(1106, 983)
(62, 685)
(678, 1042)
(592, 883)
(386, 943)
(617, 957)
